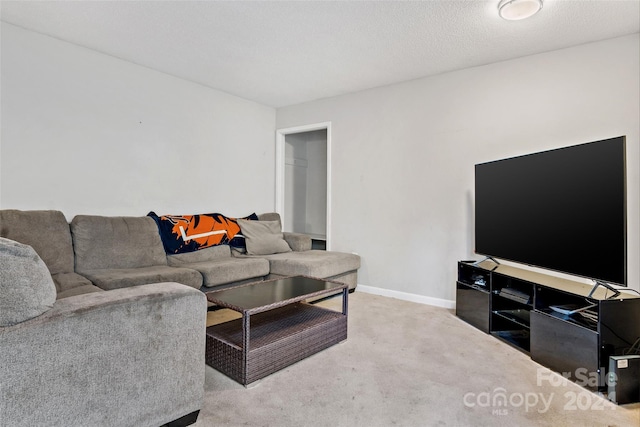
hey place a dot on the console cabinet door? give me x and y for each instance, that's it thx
(566, 348)
(472, 306)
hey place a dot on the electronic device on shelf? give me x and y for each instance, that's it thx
(515, 295)
(479, 280)
(569, 309)
(589, 315)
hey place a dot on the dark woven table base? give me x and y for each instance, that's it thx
(278, 338)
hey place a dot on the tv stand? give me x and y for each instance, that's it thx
(569, 327)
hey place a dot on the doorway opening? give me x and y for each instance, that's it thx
(303, 181)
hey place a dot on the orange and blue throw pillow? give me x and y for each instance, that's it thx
(188, 233)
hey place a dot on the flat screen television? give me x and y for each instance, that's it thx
(562, 210)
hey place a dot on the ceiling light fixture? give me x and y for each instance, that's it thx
(515, 10)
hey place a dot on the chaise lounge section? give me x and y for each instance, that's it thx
(303, 261)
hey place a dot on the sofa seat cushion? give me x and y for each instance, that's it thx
(314, 263)
(208, 254)
(228, 270)
(70, 284)
(26, 287)
(78, 290)
(116, 278)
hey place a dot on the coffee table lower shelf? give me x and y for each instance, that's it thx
(276, 339)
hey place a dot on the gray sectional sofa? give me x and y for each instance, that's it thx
(115, 334)
(98, 253)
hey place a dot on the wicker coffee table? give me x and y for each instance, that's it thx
(277, 327)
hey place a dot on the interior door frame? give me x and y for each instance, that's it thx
(280, 169)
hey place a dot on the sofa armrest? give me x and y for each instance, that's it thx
(132, 356)
(298, 242)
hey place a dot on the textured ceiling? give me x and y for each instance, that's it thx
(280, 53)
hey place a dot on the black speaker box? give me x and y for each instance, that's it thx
(624, 379)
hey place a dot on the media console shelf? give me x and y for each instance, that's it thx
(550, 318)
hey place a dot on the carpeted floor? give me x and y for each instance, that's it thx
(408, 364)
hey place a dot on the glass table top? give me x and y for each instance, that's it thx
(267, 293)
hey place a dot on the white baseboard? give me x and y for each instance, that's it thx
(421, 299)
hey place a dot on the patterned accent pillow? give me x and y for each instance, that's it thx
(188, 233)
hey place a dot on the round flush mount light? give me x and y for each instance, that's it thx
(515, 10)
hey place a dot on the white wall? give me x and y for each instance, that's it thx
(403, 156)
(84, 132)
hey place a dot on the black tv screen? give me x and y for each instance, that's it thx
(563, 210)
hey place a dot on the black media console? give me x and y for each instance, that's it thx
(550, 318)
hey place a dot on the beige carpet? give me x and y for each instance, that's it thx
(408, 364)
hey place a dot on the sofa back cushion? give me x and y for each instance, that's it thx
(26, 287)
(263, 237)
(269, 216)
(47, 232)
(102, 242)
